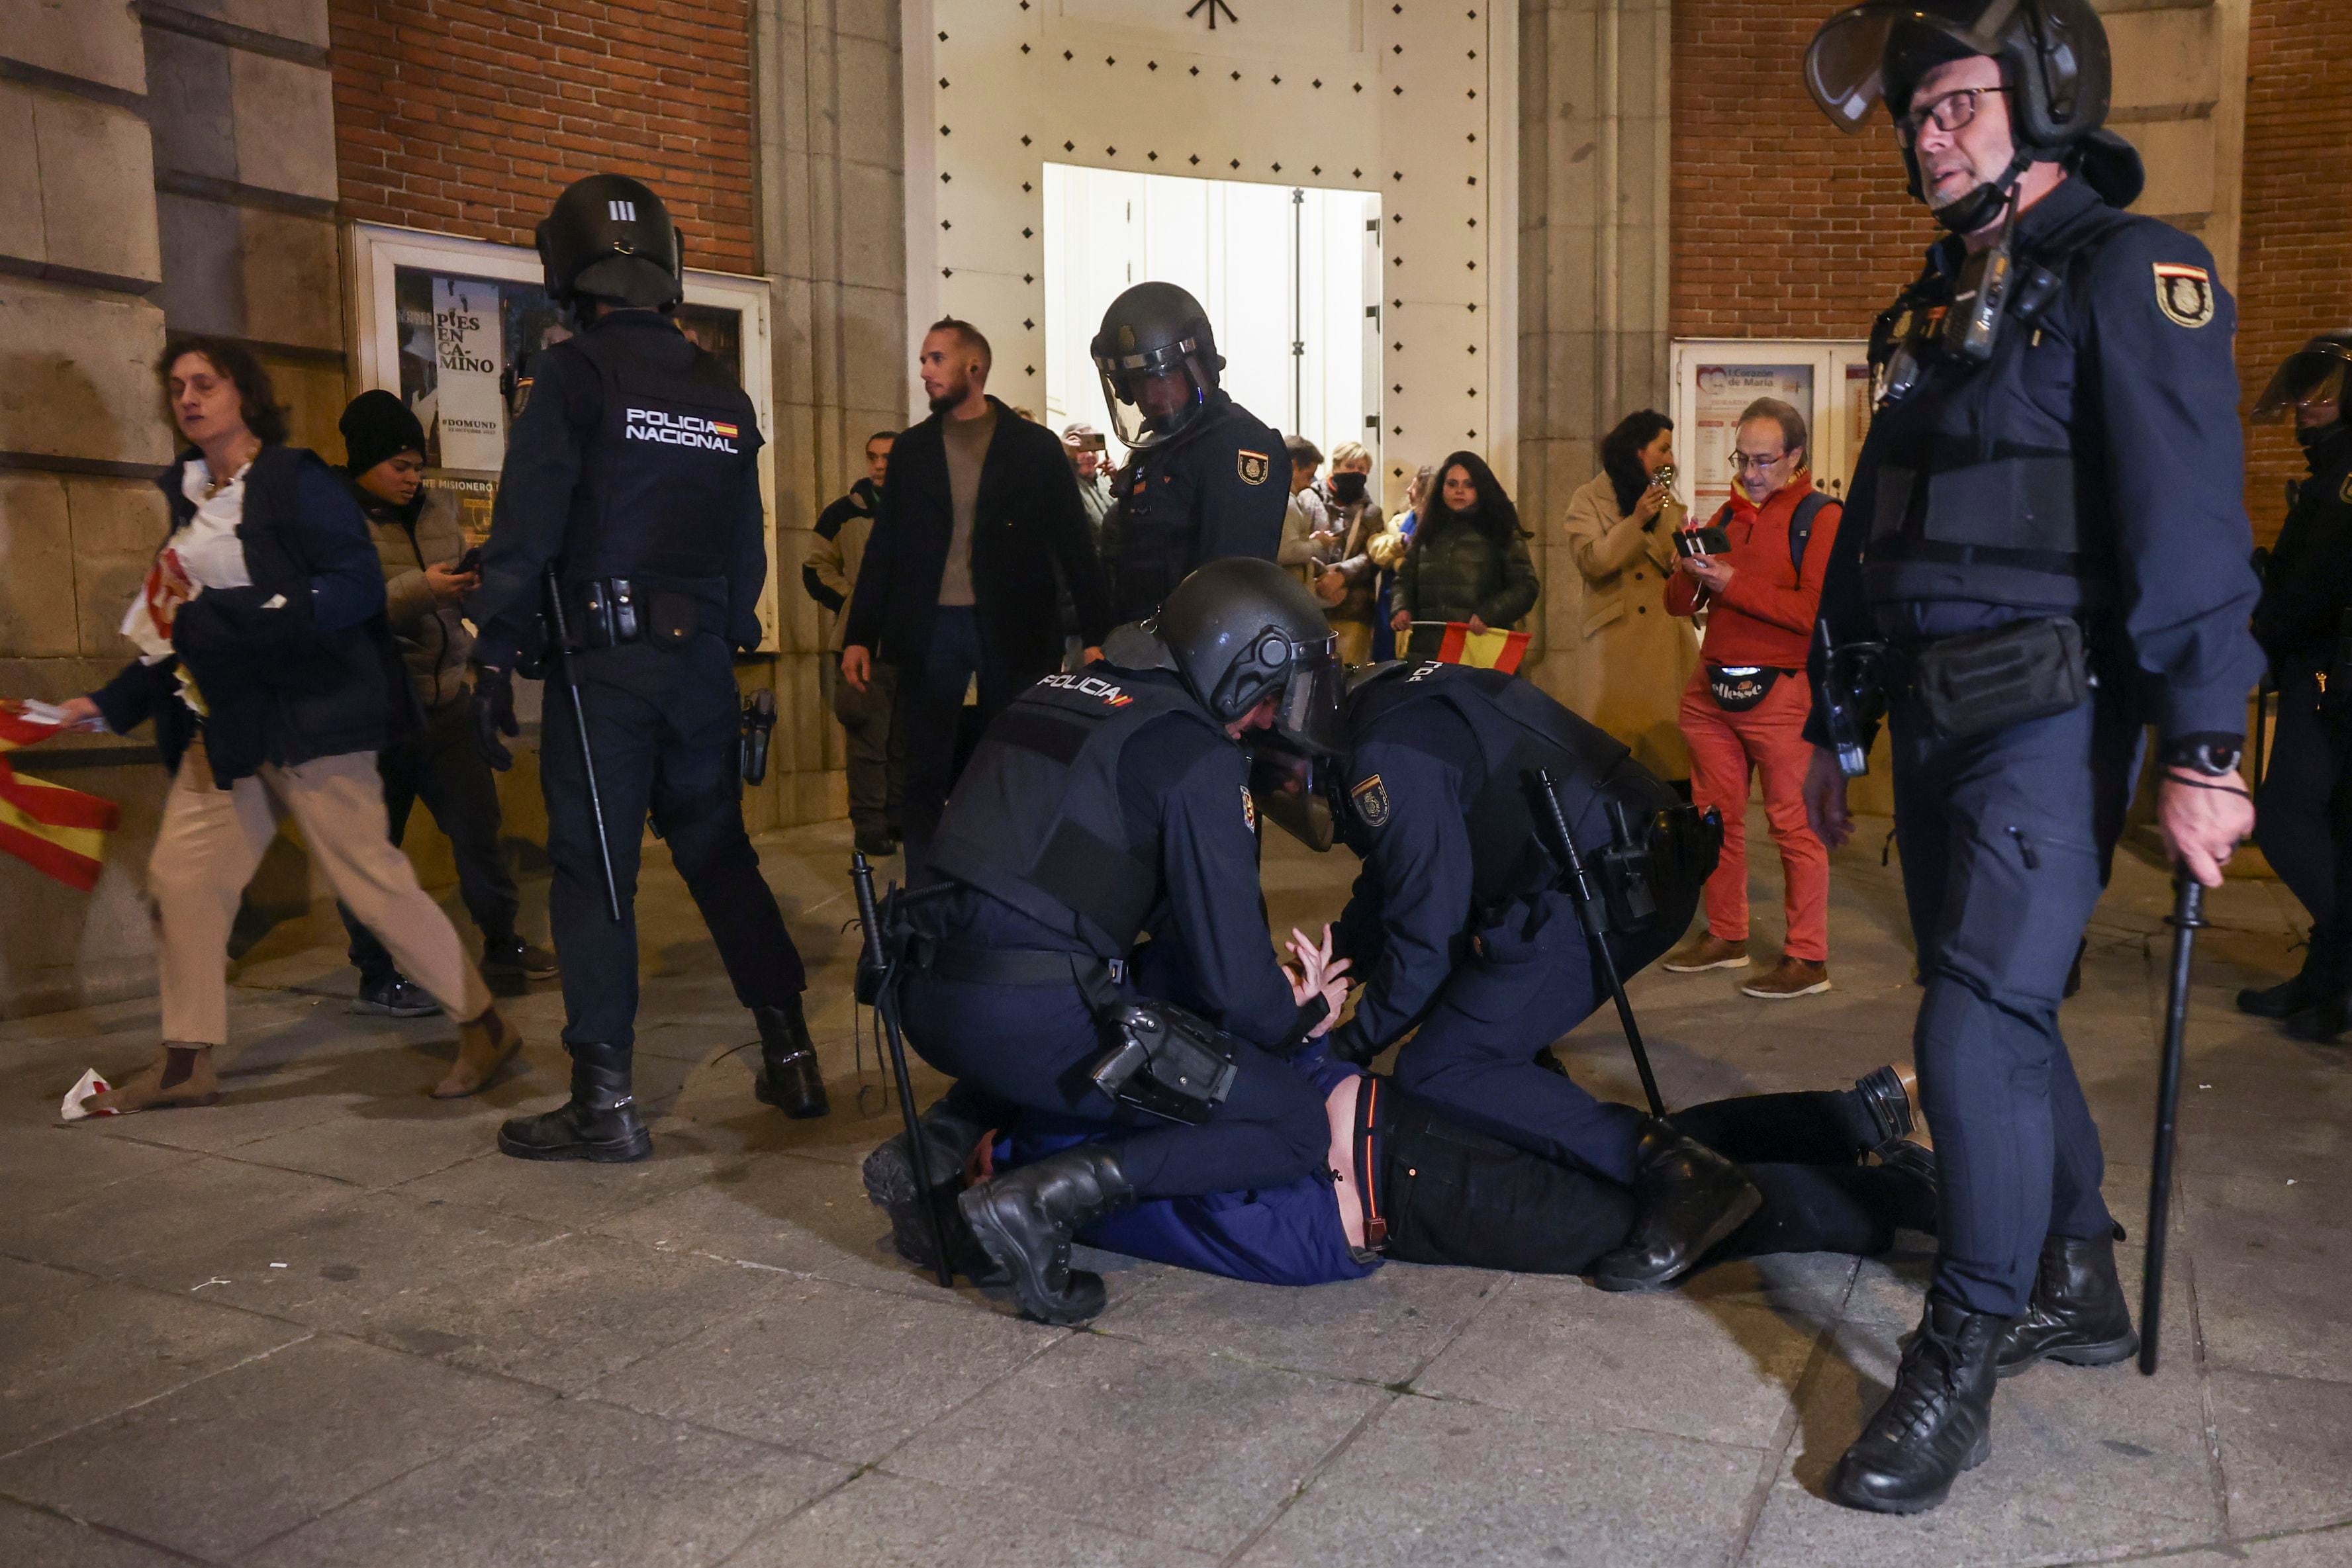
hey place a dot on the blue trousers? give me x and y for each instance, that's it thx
(1474, 1054)
(1030, 1046)
(2006, 840)
(931, 718)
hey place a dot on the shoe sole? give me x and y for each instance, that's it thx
(889, 1180)
(517, 972)
(1007, 1254)
(1702, 969)
(379, 1010)
(2107, 1353)
(635, 1149)
(1765, 996)
(1865, 1503)
(1739, 1213)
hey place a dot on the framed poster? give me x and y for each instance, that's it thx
(1716, 379)
(448, 324)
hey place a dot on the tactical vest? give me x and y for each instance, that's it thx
(1968, 514)
(1035, 820)
(666, 470)
(1518, 729)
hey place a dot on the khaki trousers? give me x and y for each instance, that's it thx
(210, 844)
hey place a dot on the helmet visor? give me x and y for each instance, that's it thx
(1288, 787)
(2314, 375)
(1307, 716)
(1153, 396)
(1847, 62)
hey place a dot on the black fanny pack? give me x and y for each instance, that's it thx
(607, 612)
(1740, 687)
(1985, 681)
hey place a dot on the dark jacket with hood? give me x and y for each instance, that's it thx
(1466, 564)
(297, 665)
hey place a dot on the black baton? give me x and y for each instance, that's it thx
(1595, 921)
(2187, 919)
(561, 651)
(877, 986)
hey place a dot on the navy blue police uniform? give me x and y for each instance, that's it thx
(636, 461)
(1097, 806)
(1219, 490)
(1457, 923)
(2088, 470)
(2306, 588)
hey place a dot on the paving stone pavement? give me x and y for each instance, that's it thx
(324, 1322)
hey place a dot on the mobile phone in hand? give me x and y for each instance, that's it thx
(470, 562)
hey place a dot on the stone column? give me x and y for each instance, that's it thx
(831, 189)
(81, 437)
(1594, 153)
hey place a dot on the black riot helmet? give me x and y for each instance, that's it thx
(2314, 374)
(610, 238)
(1239, 630)
(2055, 72)
(1159, 363)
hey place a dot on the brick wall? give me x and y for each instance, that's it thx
(468, 116)
(1783, 225)
(2295, 253)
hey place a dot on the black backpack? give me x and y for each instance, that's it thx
(1800, 526)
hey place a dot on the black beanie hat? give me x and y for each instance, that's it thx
(378, 425)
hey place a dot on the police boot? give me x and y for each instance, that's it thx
(598, 1122)
(2324, 1021)
(1687, 1198)
(949, 1137)
(2310, 987)
(1025, 1220)
(788, 1079)
(2079, 1314)
(1937, 1421)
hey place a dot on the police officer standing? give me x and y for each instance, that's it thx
(1208, 480)
(1097, 806)
(2045, 529)
(2306, 588)
(1464, 935)
(633, 468)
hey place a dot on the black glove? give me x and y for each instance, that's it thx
(494, 715)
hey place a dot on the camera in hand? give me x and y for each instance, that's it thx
(1706, 539)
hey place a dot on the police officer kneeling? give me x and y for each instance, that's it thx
(1462, 928)
(2045, 533)
(634, 467)
(1096, 806)
(1208, 480)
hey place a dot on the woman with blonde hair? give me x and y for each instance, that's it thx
(1631, 658)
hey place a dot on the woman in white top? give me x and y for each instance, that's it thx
(1632, 659)
(272, 683)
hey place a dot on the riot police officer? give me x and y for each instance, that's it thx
(1096, 806)
(1461, 925)
(2045, 532)
(632, 469)
(1207, 480)
(2306, 588)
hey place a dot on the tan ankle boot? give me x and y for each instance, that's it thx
(483, 1047)
(181, 1076)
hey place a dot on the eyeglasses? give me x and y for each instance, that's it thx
(1761, 462)
(1949, 112)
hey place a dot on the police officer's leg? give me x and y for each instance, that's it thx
(2295, 823)
(698, 805)
(600, 954)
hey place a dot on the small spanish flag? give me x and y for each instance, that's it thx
(1488, 650)
(54, 829)
(728, 431)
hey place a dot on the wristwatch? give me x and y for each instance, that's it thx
(2213, 759)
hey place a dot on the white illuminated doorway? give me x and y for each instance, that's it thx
(1289, 276)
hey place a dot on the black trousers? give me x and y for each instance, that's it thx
(2301, 822)
(1453, 1195)
(666, 729)
(442, 769)
(937, 735)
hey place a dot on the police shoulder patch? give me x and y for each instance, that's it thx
(2184, 293)
(1371, 797)
(1252, 466)
(1249, 810)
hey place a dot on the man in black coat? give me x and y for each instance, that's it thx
(958, 585)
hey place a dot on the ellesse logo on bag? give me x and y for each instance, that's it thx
(680, 429)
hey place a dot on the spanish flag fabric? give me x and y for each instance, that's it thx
(1488, 650)
(54, 829)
